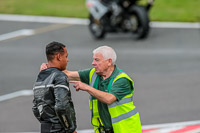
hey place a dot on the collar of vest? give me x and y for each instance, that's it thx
(114, 74)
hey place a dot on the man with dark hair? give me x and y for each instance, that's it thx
(53, 105)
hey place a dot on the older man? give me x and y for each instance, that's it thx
(111, 91)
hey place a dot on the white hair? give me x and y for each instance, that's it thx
(107, 53)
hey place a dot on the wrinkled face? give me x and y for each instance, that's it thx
(100, 64)
(64, 59)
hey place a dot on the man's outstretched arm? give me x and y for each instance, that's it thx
(72, 75)
(104, 97)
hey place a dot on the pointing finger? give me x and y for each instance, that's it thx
(73, 82)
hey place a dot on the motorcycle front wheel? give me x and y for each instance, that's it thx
(96, 28)
(140, 21)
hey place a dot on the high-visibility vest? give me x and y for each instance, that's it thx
(124, 117)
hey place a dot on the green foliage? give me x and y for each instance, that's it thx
(176, 10)
(63, 8)
(163, 10)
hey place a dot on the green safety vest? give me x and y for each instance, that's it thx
(125, 118)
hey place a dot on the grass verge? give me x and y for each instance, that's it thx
(163, 10)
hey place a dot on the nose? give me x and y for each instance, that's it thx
(93, 63)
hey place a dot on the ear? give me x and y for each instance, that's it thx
(58, 56)
(110, 61)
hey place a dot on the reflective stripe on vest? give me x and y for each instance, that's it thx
(118, 114)
(121, 111)
(123, 101)
(124, 116)
(93, 76)
(93, 103)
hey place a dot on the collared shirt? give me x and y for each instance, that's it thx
(119, 89)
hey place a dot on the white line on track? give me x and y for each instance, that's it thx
(63, 20)
(16, 94)
(78, 131)
(23, 32)
(29, 32)
(43, 19)
(159, 51)
(176, 124)
(163, 127)
(175, 25)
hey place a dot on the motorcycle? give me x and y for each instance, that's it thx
(118, 16)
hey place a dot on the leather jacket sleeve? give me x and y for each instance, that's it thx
(36, 111)
(63, 103)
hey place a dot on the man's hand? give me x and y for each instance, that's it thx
(78, 85)
(43, 66)
(75, 132)
(102, 96)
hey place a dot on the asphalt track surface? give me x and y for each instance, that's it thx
(165, 68)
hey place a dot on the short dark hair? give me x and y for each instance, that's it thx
(54, 48)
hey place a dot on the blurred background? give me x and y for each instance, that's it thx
(163, 10)
(164, 66)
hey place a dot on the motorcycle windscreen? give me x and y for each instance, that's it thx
(96, 8)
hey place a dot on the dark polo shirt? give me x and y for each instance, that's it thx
(119, 89)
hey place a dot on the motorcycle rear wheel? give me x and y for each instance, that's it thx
(141, 26)
(96, 28)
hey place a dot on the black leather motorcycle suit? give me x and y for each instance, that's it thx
(52, 101)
